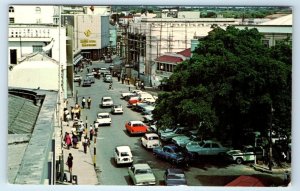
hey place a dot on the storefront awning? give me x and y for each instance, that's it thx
(76, 60)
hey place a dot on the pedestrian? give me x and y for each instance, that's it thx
(85, 144)
(79, 82)
(72, 112)
(83, 102)
(70, 162)
(110, 86)
(89, 101)
(136, 84)
(119, 77)
(74, 140)
(92, 132)
(88, 70)
(67, 140)
(79, 112)
(142, 86)
(80, 131)
(68, 119)
(96, 125)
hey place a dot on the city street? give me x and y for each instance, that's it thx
(109, 137)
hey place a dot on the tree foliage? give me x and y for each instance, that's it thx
(229, 85)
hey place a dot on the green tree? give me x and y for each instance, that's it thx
(228, 86)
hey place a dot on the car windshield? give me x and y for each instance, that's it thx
(137, 124)
(153, 138)
(143, 171)
(124, 154)
(106, 99)
(103, 116)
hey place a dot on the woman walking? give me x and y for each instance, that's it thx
(70, 162)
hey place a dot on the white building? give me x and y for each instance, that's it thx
(164, 35)
(31, 14)
(36, 71)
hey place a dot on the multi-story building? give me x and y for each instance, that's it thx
(152, 37)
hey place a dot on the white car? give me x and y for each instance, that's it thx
(141, 174)
(107, 102)
(123, 155)
(150, 140)
(117, 109)
(103, 119)
(77, 78)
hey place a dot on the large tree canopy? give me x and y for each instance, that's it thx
(229, 86)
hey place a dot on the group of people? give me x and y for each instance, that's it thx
(88, 101)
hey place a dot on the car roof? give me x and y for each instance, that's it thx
(106, 98)
(174, 171)
(172, 146)
(123, 148)
(141, 166)
(151, 135)
(134, 122)
(103, 113)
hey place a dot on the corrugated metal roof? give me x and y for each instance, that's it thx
(22, 115)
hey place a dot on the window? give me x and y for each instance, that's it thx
(11, 9)
(266, 43)
(11, 20)
(214, 145)
(38, 10)
(37, 48)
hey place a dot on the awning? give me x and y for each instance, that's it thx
(76, 60)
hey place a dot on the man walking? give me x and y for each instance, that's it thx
(89, 101)
(83, 102)
(110, 86)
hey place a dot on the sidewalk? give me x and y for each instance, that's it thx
(83, 166)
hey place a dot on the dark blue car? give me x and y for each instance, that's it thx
(171, 153)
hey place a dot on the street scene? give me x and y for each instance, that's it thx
(150, 96)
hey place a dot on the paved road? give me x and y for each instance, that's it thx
(203, 173)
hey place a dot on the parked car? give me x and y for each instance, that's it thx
(123, 155)
(117, 109)
(91, 77)
(148, 119)
(135, 127)
(124, 94)
(103, 119)
(106, 102)
(139, 106)
(150, 140)
(206, 147)
(147, 110)
(77, 78)
(183, 140)
(247, 154)
(174, 177)
(86, 82)
(170, 153)
(141, 174)
(168, 136)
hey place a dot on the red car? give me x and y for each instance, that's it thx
(136, 127)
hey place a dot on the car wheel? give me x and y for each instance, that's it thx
(239, 161)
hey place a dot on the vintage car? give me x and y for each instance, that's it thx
(150, 140)
(107, 78)
(135, 127)
(183, 140)
(106, 102)
(247, 154)
(170, 153)
(141, 174)
(86, 82)
(167, 136)
(77, 78)
(103, 119)
(174, 177)
(91, 77)
(206, 147)
(117, 109)
(123, 155)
